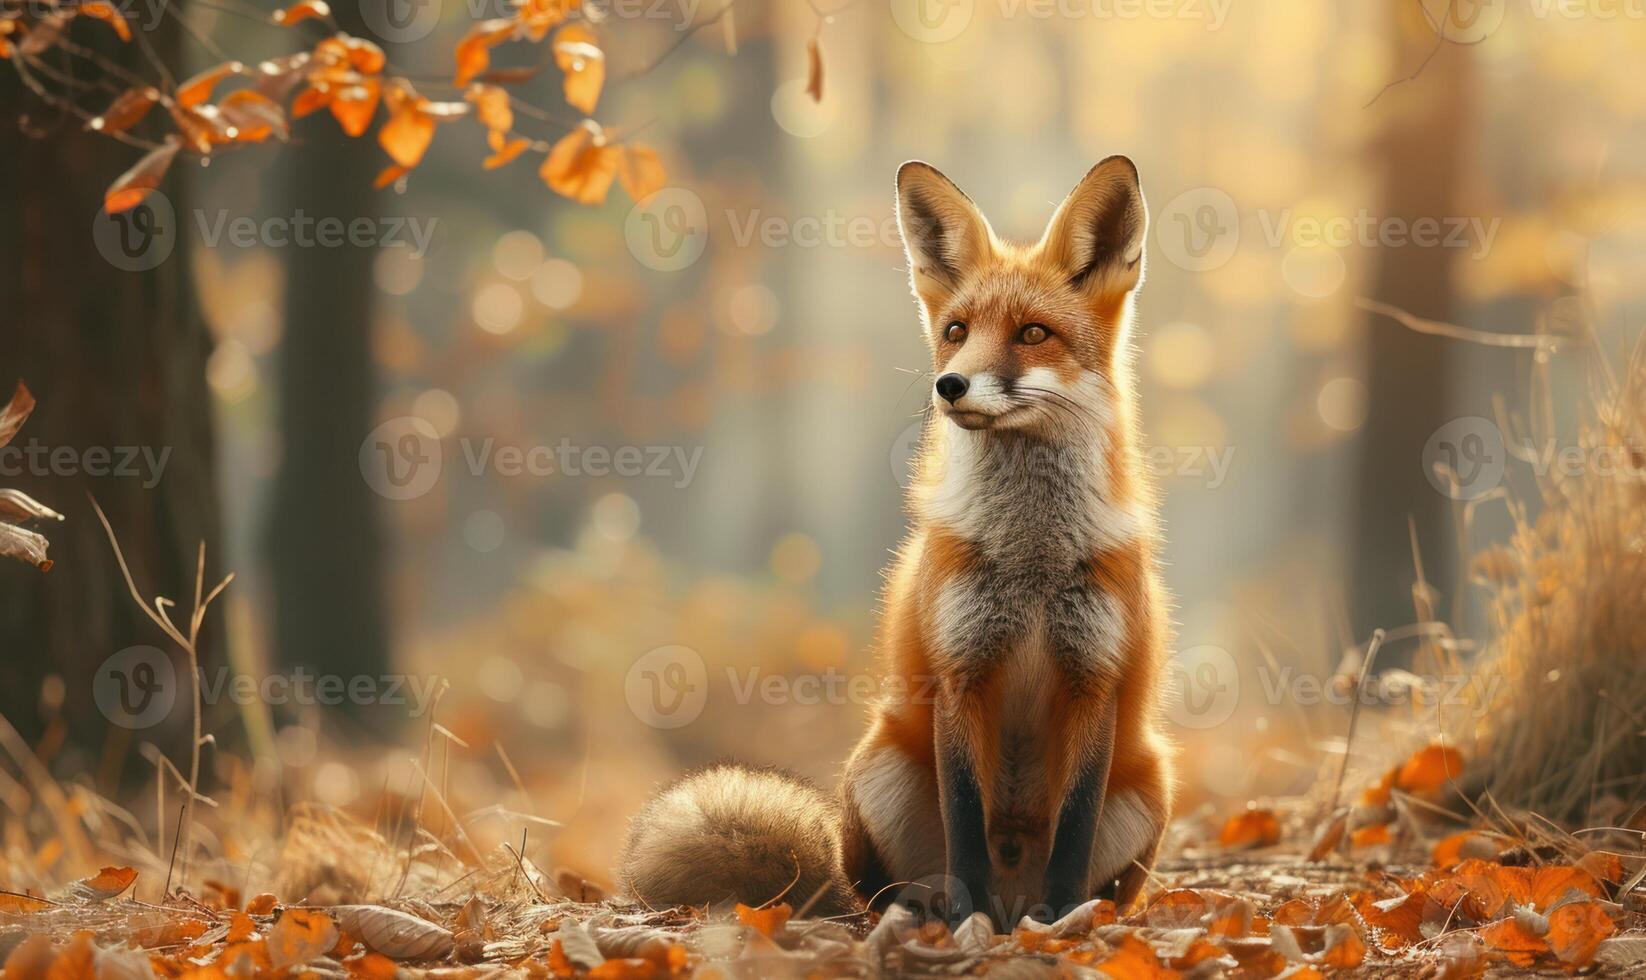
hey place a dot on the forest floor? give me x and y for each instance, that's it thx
(1274, 892)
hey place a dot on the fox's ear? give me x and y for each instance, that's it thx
(1097, 234)
(944, 234)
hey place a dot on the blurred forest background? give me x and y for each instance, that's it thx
(334, 415)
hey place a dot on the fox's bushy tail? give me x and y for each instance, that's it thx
(732, 833)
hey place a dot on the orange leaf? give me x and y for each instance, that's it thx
(1576, 931)
(507, 153)
(766, 921)
(1604, 866)
(105, 12)
(254, 116)
(241, 928)
(1370, 836)
(492, 108)
(199, 88)
(814, 74)
(641, 172)
(389, 175)
(473, 52)
(364, 56)
(581, 166)
(104, 885)
(300, 936)
(578, 55)
(309, 100)
(1133, 959)
(374, 966)
(540, 15)
(301, 11)
(1554, 882)
(260, 904)
(78, 961)
(1511, 938)
(10, 902)
(1251, 828)
(407, 135)
(1429, 769)
(137, 183)
(1466, 844)
(355, 105)
(30, 958)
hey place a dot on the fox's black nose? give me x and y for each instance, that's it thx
(952, 387)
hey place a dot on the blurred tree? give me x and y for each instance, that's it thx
(325, 542)
(116, 356)
(1423, 152)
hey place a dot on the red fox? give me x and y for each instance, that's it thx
(1023, 770)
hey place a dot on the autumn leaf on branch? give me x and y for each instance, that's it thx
(17, 507)
(577, 54)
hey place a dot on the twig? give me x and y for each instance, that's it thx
(1453, 331)
(1354, 715)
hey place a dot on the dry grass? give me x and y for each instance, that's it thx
(1564, 733)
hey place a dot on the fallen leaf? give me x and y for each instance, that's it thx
(1429, 769)
(15, 904)
(395, 934)
(1576, 931)
(1253, 827)
(299, 936)
(767, 921)
(16, 412)
(102, 886)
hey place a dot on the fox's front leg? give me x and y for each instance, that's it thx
(961, 768)
(1069, 872)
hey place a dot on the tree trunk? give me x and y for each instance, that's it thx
(325, 544)
(98, 317)
(1409, 374)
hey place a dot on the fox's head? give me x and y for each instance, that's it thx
(1025, 337)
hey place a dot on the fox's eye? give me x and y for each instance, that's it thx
(1034, 333)
(955, 332)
